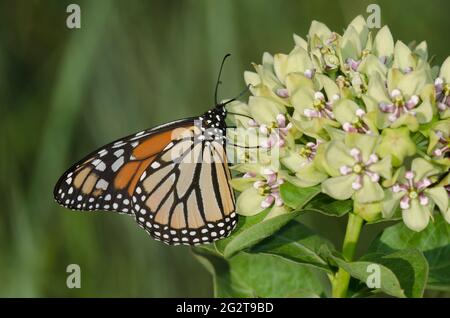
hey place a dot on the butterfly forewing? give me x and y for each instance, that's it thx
(106, 178)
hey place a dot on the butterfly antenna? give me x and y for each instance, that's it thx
(218, 78)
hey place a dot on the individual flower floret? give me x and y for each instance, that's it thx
(261, 193)
(323, 47)
(276, 131)
(314, 105)
(353, 118)
(300, 160)
(356, 169)
(398, 106)
(416, 196)
(405, 100)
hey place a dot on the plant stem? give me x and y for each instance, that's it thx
(342, 278)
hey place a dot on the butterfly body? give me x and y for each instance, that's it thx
(173, 178)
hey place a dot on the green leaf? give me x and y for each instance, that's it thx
(244, 223)
(296, 197)
(389, 282)
(410, 267)
(324, 204)
(434, 242)
(258, 275)
(256, 233)
(297, 243)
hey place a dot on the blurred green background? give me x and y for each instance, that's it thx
(132, 65)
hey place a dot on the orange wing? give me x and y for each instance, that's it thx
(107, 178)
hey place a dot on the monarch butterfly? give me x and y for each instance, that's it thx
(173, 178)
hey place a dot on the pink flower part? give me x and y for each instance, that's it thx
(281, 120)
(356, 154)
(310, 113)
(375, 177)
(282, 92)
(412, 102)
(360, 113)
(395, 93)
(263, 129)
(267, 202)
(443, 144)
(349, 127)
(358, 183)
(423, 199)
(407, 70)
(309, 73)
(353, 64)
(404, 202)
(319, 95)
(258, 184)
(252, 123)
(345, 170)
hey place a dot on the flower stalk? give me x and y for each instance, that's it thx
(342, 279)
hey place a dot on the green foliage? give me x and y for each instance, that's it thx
(258, 275)
(296, 197)
(434, 242)
(403, 273)
(328, 206)
(297, 243)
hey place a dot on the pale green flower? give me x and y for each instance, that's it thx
(442, 86)
(355, 44)
(361, 54)
(406, 60)
(383, 46)
(323, 47)
(416, 196)
(279, 76)
(357, 170)
(407, 99)
(313, 105)
(297, 61)
(259, 192)
(353, 118)
(300, 160)
(264, 82)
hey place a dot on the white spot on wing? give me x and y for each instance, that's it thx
(102, 152)
(119, 152)
(102, 184)
(155, 165)
(117, 164)
(101, 166)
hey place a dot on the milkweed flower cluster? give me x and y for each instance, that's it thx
(360, 116)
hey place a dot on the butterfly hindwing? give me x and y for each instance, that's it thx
(106, 178)
(184, 196)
